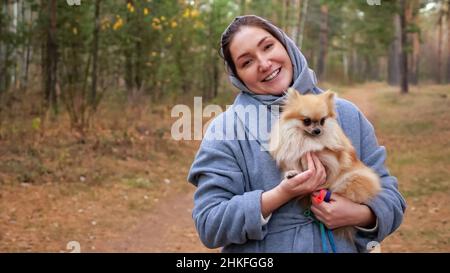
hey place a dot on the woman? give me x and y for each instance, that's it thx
(240, 203)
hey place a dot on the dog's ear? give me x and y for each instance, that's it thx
(292, 93)
(329, 97)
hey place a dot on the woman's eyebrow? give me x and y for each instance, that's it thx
(262, 40)
(259, 43)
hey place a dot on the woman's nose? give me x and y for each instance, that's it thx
(264, 65)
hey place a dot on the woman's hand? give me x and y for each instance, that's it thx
(307, 182)
(300, 185)
(340, 212)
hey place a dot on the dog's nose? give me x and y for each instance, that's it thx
(316, 132)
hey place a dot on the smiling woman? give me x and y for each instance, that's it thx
(242, 202)
(261, 61)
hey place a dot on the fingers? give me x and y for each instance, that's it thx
(320, 170)
(310, 160)
(296, 185)
(302, 177)
(320, 210)
(318, 214)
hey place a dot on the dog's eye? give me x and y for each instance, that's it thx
(307, 121)
(322, 121)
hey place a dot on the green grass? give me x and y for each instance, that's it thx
(138, 182)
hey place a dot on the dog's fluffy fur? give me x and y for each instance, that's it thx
(308, 124)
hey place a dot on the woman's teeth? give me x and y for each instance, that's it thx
(273, 75)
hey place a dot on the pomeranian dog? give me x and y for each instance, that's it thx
(308, 124)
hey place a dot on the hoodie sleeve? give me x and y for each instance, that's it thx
(224, 213)
(389, 205)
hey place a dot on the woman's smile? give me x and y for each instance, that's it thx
(272, 75)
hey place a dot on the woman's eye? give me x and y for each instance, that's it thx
(307, 121)
(268, 46)
(246, 63)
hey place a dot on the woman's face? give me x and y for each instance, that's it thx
(261, 61)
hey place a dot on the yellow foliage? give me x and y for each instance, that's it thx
(156, 24)
(118, 24)
(186, 13)
(190, 13)
(146, 11)
(156, 27)
(173, 24)
(130, 7)
(195, 13)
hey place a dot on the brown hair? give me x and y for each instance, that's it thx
(233, 28)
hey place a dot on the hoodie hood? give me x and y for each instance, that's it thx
(304, 78)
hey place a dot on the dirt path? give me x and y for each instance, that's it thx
(362, 101)
(170, 228)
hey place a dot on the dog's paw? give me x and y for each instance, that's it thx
(290, 174)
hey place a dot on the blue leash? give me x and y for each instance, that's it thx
(324, 232)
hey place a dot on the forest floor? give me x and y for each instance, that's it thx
(123, 187)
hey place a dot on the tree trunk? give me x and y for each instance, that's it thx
(448, 40)
(413, 38)
(415, 59)
(323, 46)
(14, 55)
(139, 59)
(138, 65)
(403, 55)
(439, 53)
(296, 20)
(301, 28)
(27, 17)
(3, 56)
(394, 54)
(51, 59)
(93, 95)
(287, 16)
(129, 73)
